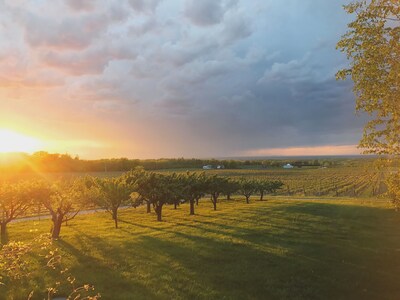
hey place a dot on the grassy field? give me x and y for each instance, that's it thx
(284, 248)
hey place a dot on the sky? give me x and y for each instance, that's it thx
(177, 78)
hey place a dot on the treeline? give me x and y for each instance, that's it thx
(64, 199)
(47, 162)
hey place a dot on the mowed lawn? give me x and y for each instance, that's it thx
(275, 249)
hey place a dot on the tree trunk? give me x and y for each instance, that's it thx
(191, 207)
(115, 217)
(214, 201)
(228, 196)
(197, 201)
(247, 199)
(175, 205)
(148, 207)
(261, 195)
(55, 233)
(159, 212)
(4, 236)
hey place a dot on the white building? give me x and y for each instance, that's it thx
(207, 167)
(288, 166)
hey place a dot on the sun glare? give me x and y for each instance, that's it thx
(11, 141)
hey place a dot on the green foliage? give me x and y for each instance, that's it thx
(63, 199)
(373, 46)
(247, 187)
(157, 189)
(393, 183)
(215, 186)
(110, 193)
(15, 199)
(192, 188)
(231, 187)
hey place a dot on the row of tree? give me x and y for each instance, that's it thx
(64, 199)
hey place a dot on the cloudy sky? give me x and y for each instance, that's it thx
(172, 78)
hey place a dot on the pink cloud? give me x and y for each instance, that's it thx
(300, 151)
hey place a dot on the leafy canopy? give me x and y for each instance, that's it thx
(372, 46)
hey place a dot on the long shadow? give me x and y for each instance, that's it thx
(103, 272)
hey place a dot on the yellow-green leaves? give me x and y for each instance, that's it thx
(372, 46)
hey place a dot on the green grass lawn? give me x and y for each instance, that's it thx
(276, 249)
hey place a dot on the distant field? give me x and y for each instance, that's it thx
(343, 181)
(283, 248)
(360, 180)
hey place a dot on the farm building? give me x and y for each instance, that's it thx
(288, 166)
(207, 167)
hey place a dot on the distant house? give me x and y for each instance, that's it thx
(207, 167)
(220, 167)
(288, 166)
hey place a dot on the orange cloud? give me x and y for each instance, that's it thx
(300, 151)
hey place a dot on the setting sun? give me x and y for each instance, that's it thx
(11, 141)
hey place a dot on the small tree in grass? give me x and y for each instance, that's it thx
(231, 187)
(269, 187)
(274, 186)
(63, 199)
(248, 187)
(15, 199)
(110, 194)
(158, 190)
(215, 187)
(192, 188)
(132, 178)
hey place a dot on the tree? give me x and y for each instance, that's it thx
(157, 189)
(231, 187)
(63, 199)
(247, 188)
(132, 178)
(373, 48)
(262, 187)
(110, 194)
(274, 185)
(193, 187)
(15, 199)
(372, 45)
(215, 186)
(267, 186)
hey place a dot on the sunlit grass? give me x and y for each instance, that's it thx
(276, 249)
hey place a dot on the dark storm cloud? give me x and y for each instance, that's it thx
(205, 12)
(144, 6)
(80, 5)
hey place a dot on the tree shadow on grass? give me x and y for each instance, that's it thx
(188, 267)
(103, 272)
